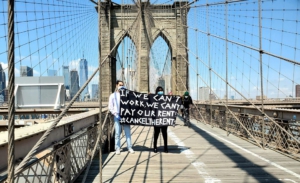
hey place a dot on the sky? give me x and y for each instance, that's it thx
(52, 34)
(49, 35)
(279, 37)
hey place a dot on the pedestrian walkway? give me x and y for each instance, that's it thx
(197, 154)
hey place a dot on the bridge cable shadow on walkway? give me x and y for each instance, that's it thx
(140, 150)
(144, 148)
(251, 168)
(242, 162)
(92, 176)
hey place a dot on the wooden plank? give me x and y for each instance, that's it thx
(196, 154)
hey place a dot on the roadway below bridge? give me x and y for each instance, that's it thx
(197, 154)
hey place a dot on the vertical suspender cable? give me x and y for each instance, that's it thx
(261, 74)
(11, 101)
(184, 21)
(208, 54)
(197, 65)
(122, 27)
(226, 47)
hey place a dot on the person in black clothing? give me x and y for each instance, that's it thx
(163, 129)
(186, 102)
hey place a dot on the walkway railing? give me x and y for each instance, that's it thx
(67, 159)
(277, 134)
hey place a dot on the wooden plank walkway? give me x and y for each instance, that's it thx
(196, 154)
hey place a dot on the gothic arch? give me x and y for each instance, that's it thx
(117, 39)
(166, 36)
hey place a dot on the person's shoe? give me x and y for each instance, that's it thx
(185, 124)
(155, 150)
(166, 151)
(118, 152)
(131, 151)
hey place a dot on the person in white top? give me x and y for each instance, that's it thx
(114, 108)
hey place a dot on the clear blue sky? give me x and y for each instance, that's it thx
(60, 33)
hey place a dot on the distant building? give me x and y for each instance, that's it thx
(297, 90)
(52, 72)
(203, 93)
(83, 77)
(86, 97)
(232, 97)
(74, 88)
(68, 97)
(66, 75)
(26, 71)
(6, 95)
(95, 88)
(1, 99)
(2, 81)
(213, 96)
(259, 97)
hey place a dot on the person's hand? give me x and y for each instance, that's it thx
(117, 116)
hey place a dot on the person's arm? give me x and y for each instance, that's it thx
(111, 104)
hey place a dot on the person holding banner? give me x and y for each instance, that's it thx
(160, 91)
(114, 108)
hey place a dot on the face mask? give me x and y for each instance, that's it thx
(160, 93)
(121, 87)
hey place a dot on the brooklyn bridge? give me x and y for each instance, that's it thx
(237, 59)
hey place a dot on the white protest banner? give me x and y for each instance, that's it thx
(148, 109)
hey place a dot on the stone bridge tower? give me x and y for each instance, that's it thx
(148, 22)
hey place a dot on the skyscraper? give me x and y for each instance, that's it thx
(66, 75)
(83, 76)
(52, 72)
(6, 94)
(95, 90)
(203, 93)
(2, 81)
(26, 71)
(74, 88)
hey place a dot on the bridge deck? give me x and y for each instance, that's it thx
(196, 154)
